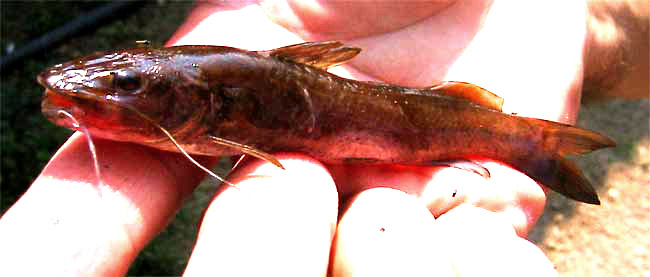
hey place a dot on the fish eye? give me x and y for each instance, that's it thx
(127, 81)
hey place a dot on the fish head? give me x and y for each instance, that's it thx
(125, 95)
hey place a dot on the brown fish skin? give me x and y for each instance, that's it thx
(284, 100)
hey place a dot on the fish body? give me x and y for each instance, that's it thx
(222, 101)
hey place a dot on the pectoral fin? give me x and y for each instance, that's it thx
(469, 92)
(249, 150)
(318, 54)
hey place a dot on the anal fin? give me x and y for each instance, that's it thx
(466, 165)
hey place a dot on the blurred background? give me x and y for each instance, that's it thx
(612, 239)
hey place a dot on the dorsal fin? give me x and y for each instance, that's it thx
(469, 92)
(318, 54)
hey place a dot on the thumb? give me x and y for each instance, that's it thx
(507, 192)
(481, 243)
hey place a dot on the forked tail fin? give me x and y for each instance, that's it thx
(570, 140)
(571, 183)
(550, 167)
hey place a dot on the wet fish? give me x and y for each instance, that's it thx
(215, 100)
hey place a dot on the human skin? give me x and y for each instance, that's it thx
(616, 61)
(313, 218)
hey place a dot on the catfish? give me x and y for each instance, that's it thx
(223, 101)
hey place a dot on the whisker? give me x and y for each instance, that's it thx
(91, 144)
(241, 158)
(177, 145)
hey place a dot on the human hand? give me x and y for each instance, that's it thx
(285, 221)
(505, 50)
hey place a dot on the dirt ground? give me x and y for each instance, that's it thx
(612, 239)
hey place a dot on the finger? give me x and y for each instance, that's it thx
(68, 224)
(386, 232)
(390, 57)
(534, 63)
(442, 188)
(322, 20)
(508, 192)
(249, 28)
(274, 222)
(351, 179)
(482, 243)
(413, 44)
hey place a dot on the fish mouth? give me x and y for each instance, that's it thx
(60, 98)
(65, 92)
(54, 105)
